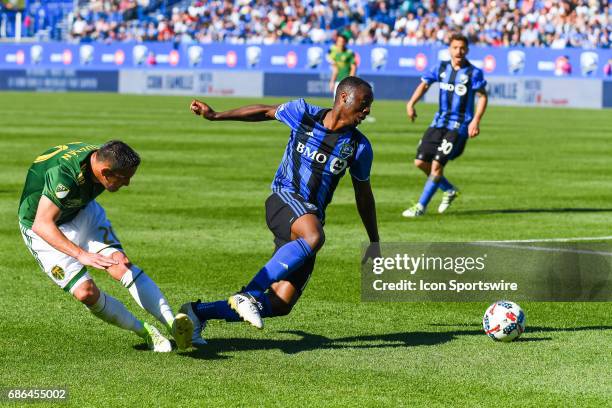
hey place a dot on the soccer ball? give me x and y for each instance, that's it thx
(504, 321)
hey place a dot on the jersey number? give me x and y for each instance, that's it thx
(47, 156)
(446, 147)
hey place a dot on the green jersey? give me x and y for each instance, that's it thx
(343, 60)
(63, 175)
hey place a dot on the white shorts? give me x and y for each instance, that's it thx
(90, 230)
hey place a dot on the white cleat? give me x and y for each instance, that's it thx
(447, 200)
(182, 330)
(247, 308)
(155, 340)
(416, 210)
(198, 326)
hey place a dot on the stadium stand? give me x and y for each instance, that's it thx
(529, 23)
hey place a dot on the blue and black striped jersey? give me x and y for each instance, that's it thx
(457, 91)
(316, 158)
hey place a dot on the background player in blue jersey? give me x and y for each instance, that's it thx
(454, 122)
(323, 144)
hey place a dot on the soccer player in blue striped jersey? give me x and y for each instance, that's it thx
(323, 145)
(452, 125)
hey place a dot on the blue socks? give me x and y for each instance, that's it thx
(215, 310)
(445, 185)
(287, 259)
(428, 191)
(221, 310)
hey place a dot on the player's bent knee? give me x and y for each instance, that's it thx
(87, 293)
(315, 239)
(120, 257)
(437, 169)
(117, 271)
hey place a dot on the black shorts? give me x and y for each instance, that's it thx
(282, 209)
(441, 145)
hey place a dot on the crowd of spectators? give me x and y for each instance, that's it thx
(530, 23)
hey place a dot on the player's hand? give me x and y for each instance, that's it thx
(96, 260)
(202, 109)
(411, 112)
(473, 129)
(373, 251)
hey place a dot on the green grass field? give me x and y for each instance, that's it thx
(193, 218)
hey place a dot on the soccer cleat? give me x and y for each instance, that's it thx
(198, 326)
(447, 200)
(415, 211)
(182, 330)
(247, 308)
(155, 340)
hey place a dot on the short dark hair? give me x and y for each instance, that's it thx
(119, 155)
(345, 36)
(458, 37)
(350, 84)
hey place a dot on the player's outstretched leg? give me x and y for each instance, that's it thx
(286, 260)
(308, 237)
(277, 301)
(200, 312)
(253, 303)
(430, 188)
(417, 209)
(148, 296)
(451, 193)
(109, 309)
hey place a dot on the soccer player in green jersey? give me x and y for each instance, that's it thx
(66, 230)
(342, 61)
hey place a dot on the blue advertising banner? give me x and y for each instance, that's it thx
(307, 85)
(317, 85)
(59, 80)
(607, 94)
(404, 61)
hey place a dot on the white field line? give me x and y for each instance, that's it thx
(550, 240)
(544, 249)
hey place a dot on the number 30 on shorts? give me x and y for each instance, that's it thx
(446, 147)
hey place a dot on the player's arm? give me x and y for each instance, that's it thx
(416, 96)
(481, 107)
(44, 226)
(366, 206)
(250, 113)
(353, 69)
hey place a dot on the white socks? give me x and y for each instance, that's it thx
(114, 312)
(146, 293)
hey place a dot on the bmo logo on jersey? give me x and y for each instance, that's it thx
(336, 165)
(459, 89)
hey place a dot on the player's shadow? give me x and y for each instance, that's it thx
(309, 341)
(530, 211)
